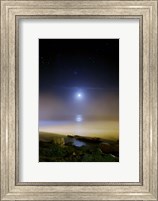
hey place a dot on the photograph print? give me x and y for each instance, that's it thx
(78, 100)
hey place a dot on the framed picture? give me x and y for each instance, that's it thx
(78, 100)
(78, 103)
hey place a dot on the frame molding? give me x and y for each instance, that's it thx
(11, 12)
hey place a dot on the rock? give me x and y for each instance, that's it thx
(107, 148)
(59, 140)
(70, 136)
(88, 139)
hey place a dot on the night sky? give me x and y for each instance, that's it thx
(68, 67)
(78, 63)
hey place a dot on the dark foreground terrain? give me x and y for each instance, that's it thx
(58, 148)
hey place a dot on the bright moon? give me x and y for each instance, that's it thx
(79, 95)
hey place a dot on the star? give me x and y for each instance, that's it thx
(75, 72)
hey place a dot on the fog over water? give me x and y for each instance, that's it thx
(94, 114)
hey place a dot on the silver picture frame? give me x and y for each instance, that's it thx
(11, 12)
